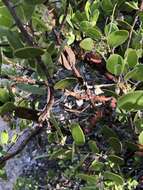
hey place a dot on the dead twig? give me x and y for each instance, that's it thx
(22, 79)
(87, 97)
(45, 114)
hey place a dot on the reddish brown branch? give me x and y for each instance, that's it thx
(45, 114)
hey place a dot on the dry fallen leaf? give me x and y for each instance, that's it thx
(68, 60)
(70, 56)
(64, 62)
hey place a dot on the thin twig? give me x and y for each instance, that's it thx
(45, 114)
(133, 25)
(131, 31)
(18, 22)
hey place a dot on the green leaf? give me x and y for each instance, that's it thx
(97, 166)
(14, 138)
(84, 25)
(3, 174)
(31, 88)
(5, 17)
(136, 40)
(93, 33)
(116, 159)
(34, 2)
(61, 154)
(28, 52)
(93, 147)
(141, 138)
(117, 38)
(3, 31)
(56, 124)
(6, 108)
(87, 44)
(95, 5)
(132, 5)
(115, 64)
(87, 9)
(90, 30)
(136, 73)
(79, 17)
(0, 59)
(139, 124)
(117, 179)
(40, 72)
(89, 178)
(131, 57)
(89, 188)
(131, 146)
(4, 137)
(77, 134)
(39, 23)
(27, 10)
(14, 39)
(70, 38)
(65, 83)
(115, 144)
(109, 28)
(131, 101)
(47, 59)
(94, 17)
(107, 6)
(4, 95)
(123, 24)
(108, 132)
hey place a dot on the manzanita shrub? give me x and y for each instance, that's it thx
(74, 68)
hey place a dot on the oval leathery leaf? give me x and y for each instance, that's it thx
(28, 52)
(77, 134)
(117, 38)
